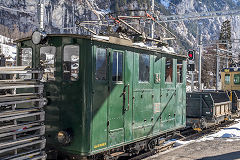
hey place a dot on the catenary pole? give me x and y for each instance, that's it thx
(152, 22)
(41, 16)
(217, 67)
(200, 63)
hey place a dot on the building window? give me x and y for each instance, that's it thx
(47, 62)
(179, 71)
(144, 67)
(169, 70)
(117, 66)
(71, 63)
(101, 64)
(227, 78)
(236, 78)
(26, 57)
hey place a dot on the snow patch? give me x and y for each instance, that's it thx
(166, 3)
(179, 143)
(140, 44)
(236, 1)
(230, 133)
(167, 49)
(101, 37)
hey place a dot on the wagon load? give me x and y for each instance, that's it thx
(207, 108)
(21, 114)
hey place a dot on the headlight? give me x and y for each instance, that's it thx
(63, 137)
(38, 37)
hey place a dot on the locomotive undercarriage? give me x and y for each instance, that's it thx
(128, 150)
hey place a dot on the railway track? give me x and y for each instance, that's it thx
(184, 135)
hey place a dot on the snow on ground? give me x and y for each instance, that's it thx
(179, 143)
(231, 133)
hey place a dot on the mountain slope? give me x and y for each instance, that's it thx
(60, 15)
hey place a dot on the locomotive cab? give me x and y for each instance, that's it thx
(105, 94)
(60, 59)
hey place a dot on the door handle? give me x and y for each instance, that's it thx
(124, 92)
(128, 96)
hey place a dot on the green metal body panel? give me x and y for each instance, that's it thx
(104, 114)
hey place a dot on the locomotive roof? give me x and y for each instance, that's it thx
(111, 40)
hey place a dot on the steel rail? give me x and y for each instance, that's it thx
(184, 135)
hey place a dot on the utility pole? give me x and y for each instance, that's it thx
(152, 22)
(73, 18)
(217, 67)
(200, 63)
(192, 81)
(227, 54)
(41, 15)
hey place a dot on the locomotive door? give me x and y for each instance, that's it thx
(180, 93)
(117, 93)
(48, 58)
(71, 83)
(168, 94)
(142, 95)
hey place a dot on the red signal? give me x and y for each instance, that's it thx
(191, 55)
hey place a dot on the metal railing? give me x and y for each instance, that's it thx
(22, 115)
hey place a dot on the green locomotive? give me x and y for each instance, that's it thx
(105, 94)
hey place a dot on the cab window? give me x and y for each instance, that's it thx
(101, 64)
(70, 62)
(25, 59)
(144, 67)
(25, 56)
(227, 78)
(169, 70)
(47, 62)
(236, 78)
(179, 71)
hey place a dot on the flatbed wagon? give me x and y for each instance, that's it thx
(207, 108)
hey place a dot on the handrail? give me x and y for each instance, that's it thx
(128, 96)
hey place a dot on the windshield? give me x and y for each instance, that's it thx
(25, 56)
(25, 59)
(71, 62)
(47, 62)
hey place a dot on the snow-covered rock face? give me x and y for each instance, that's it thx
(60, 15)
(185, 5)
(209, 28)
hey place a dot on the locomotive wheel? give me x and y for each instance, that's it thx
(151, 145)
